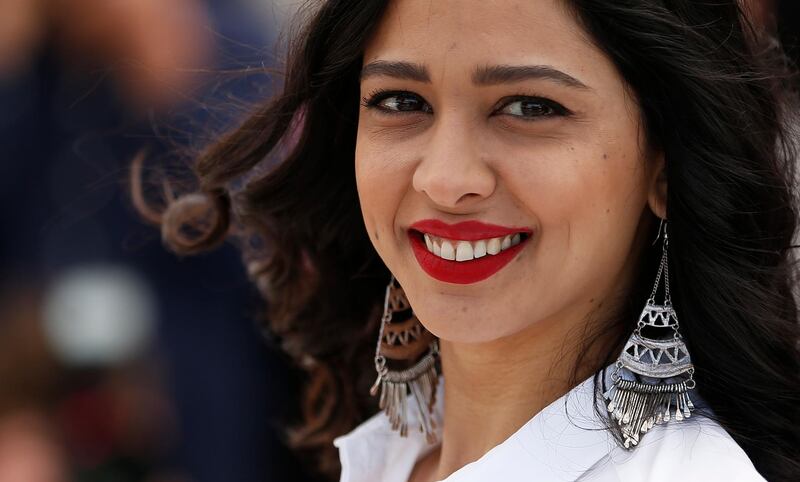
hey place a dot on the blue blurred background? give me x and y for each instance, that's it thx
(118, 360)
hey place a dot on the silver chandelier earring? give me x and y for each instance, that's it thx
(400, 342)
(654, 372)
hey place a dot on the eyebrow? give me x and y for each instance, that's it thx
(502, 74)
(484, 75)
(398, 70)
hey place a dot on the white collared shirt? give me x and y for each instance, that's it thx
(566, 441)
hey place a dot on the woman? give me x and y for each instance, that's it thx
(547, 187)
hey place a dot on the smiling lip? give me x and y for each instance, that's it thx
(465, 230)
(463, 272)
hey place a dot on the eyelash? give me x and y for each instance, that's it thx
(375, 97)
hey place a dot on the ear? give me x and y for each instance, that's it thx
(657, 187)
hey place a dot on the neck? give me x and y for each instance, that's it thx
(493, 388)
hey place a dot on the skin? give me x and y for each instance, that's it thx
(582, 177)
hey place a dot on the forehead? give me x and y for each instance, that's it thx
(452, 33)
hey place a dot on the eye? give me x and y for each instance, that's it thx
(531, 108)
(396, 102)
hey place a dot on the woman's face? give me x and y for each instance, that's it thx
(501, 165)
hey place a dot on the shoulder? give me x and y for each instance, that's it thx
(698, 449)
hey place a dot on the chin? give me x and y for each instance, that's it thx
(461, 325)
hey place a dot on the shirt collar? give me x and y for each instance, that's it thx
(561, 442)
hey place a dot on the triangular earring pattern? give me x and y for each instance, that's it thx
(653, 374)
(405, 341)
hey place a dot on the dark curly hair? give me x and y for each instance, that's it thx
(711, 101)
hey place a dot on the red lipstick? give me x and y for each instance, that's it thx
(463, 272)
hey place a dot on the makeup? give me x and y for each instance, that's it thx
(465, 252)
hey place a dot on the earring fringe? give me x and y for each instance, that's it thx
(637, 406)
(653, 376)
(420, 380)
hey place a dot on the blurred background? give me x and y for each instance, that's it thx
(119, 361)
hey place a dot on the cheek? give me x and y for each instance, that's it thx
(381, 179)
(591, 187)
(367, 180)
(588, 202)
(579, 185)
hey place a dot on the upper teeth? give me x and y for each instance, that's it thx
(459, 250)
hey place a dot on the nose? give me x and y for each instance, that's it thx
(451, 172)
